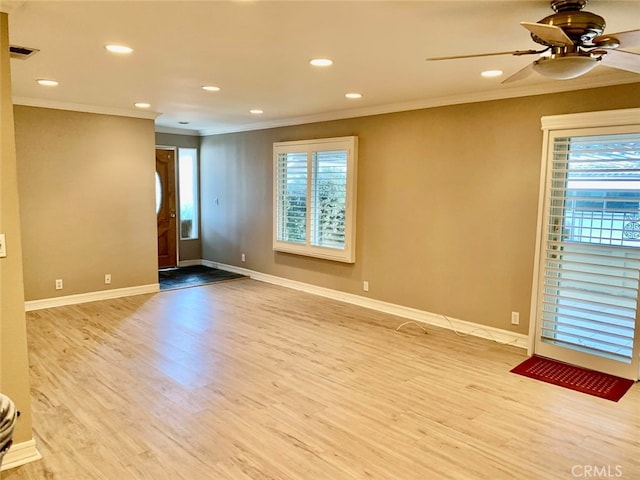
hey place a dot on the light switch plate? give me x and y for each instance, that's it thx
(3, 245)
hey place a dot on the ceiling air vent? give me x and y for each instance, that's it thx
(22, 52)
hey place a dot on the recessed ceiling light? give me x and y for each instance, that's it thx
(142, 105)
(46, 83)
(210, 88)
(321, 62)
(353, 95)
(491, 73)
(256, 111)
(118, 49)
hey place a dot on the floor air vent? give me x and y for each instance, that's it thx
(22, 52)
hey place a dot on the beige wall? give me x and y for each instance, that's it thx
(87, 194)
(14, 364)
(187, 249)
(447, 203)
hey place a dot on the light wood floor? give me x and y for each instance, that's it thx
(246, 380)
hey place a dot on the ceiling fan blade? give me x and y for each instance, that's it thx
(627, 39)
(549, 33)
(520, 74)
(623, 60)
(516, 52)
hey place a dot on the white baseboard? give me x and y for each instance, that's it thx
(190, 263)
(20, 454)
(461, 327)
(221, 266)
(90, 297)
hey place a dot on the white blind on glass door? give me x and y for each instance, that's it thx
(592, 253)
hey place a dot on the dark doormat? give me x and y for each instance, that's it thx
(193, 276)
(575, 378)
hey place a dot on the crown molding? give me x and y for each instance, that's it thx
(552, 87)
(502, 94)
(506, 93)
(76, 107)
(177, 131)
(8, 6)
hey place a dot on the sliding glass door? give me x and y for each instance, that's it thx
(589, 265)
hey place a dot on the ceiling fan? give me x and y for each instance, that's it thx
(572, 44)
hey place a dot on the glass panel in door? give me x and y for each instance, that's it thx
(587, 301)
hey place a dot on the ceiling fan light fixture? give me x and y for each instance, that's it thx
(564, 67)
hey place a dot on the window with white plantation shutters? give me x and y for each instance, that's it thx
(591, 259)
(314, 198)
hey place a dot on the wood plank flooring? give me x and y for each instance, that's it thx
(246, 380)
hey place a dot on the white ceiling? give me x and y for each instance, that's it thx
(257, 52)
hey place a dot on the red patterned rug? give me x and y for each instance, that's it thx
(580, 379)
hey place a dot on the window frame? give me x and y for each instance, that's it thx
(309, 147)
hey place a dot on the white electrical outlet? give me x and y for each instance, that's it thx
(3, 245)
(365, 286)
(243, 257)
(515, 318)
(59, 284)
(107, 278)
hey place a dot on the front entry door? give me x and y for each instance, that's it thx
(166, 207)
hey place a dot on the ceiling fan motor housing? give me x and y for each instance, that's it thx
(574, 44)
(580, 26)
